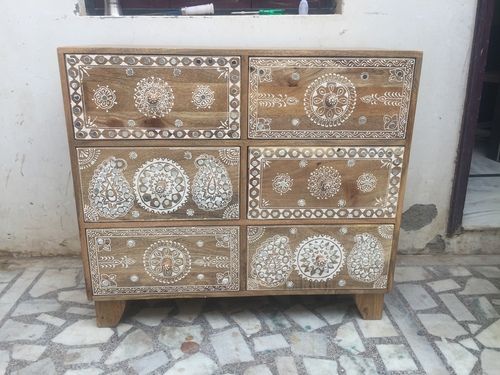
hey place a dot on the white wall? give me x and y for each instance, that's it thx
(37, 211)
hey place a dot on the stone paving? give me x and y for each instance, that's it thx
(441, 318)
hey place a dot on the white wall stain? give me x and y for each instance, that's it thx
(441, 29)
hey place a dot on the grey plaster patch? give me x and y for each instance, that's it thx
(418, 216)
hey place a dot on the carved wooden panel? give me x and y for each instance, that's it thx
(318, 257)
(163, 260)
(159, 183)
(137, 96)
(324, 182)
(329, 97)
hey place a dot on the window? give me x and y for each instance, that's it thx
(172, 7)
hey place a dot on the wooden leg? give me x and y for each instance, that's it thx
(109, 313)
(370, 306)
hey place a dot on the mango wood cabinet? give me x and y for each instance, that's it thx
(205, 173)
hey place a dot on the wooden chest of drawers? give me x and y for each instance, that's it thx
(238, 173)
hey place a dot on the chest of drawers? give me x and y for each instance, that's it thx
(238, 173)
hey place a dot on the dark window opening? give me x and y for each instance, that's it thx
(221, 7)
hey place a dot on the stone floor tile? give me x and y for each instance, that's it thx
(305, 318)
(315, 366)
(473, 328)
(333, 313)
(486, 309)
(496, 301)
(85, 371)
(45, 366)
(135, 344)
(276, 320)
(347, 337)
(196, 364)
(7, 276)
(442, 325)
(76, 296)
(247, 321)
(396, 358)
(54, 279)
(490, 362)
(11, 295)
(189, 309)
(152, 316)
(123, 328)
(271, 342)
(469, 344)
(458, 358)
(174, 337)
(36, 306)
(489, 272)
(4, 361)
(52, 320)
(476, 286)
(417, 296)
(420, 346)
(258, 370)
(286, 366)
(309, 344)
(490, 336)
(456, 307)
(405, 274)
(216, 319)
(377, 328)
(3, 286)
(81, 311)
(444, 285)
(149, 363)
(357, 365)
(230, 347)
(82, 355)
(27, 352)
(451, 271)
(83, 332)
(13, 330)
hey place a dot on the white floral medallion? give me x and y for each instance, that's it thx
(203, 97)
(324, 182)
(319, 258)
(329, 100)
(272, 262)
(212, 187)
(282, 183)
(167, 261)
(366, 182)
(153, 97)
(109, 192)
(104, 98)
(366, 261)
(161, 186)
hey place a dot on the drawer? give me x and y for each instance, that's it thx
(330, 97)
(163, 260)
(318, 257)
(154, 96)
(159, 183)
(324, 182)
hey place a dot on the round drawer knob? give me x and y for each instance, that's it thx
(134, 278)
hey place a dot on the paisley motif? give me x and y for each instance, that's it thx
(272, 262)
(212, 188)
(109, 192)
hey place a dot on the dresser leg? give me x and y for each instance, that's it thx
(109, 313)
(370, 306)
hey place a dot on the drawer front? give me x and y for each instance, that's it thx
(324, 182)
(318, 257)
(329, 97)
(159, 183)
(163, 260)
(154, 97)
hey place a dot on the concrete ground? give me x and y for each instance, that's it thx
(441, 318)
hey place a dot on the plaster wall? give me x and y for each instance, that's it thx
(37, 211)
